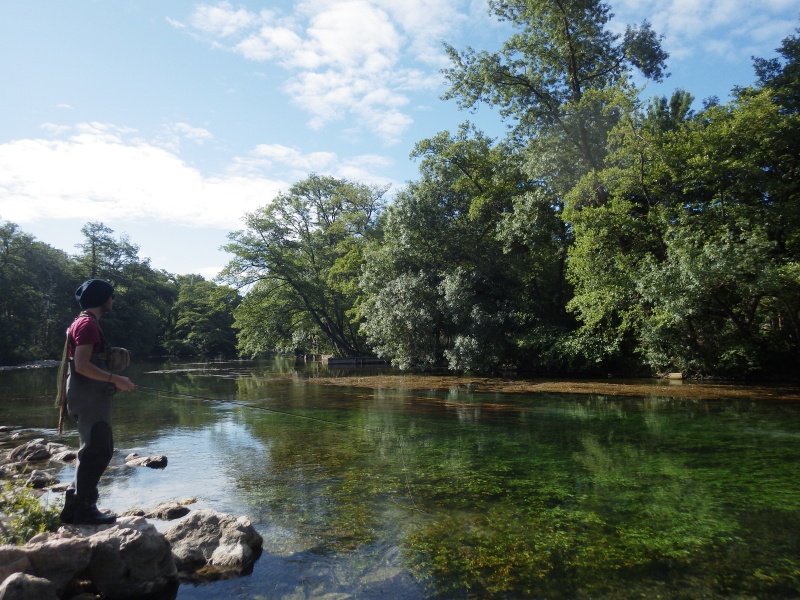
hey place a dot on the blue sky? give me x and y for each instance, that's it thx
(168, 121)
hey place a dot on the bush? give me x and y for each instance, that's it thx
(22, 515)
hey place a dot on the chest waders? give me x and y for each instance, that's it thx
(89, 402)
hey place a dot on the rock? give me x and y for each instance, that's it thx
(164, 511)
(39, 479)
(211, 545)
(168, 511)
(14, 468)
(13, 559)
(154, 462)
(59, 558)
(33, 450)
(131, 559)
(66, 456)
(21, 586)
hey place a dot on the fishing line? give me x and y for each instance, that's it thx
(297, 416)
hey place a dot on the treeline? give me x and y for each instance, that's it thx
(601, 234)
(156, 313)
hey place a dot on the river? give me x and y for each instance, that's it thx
(367, 487)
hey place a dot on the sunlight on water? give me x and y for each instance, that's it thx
(412, 493)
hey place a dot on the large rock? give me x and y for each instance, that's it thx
(21, 586)
(129, 559)
(40, 479)
(164, 511)
(212, 545)
(55, 559)
(32, 451)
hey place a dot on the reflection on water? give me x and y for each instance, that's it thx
(412, 494)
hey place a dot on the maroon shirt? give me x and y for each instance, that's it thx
(85, 330)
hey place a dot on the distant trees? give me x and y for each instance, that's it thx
(155, 312)
(201, 319)
(35, 297)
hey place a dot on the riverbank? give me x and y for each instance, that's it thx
(655, 387)
(669, 388)
(39, 364)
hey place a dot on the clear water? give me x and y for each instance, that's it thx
(420, 494)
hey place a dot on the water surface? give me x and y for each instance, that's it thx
(426, 493)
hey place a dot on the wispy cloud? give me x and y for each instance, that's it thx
(346, 60)
(732, 30)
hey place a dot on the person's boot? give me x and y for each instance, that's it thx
(91, 515)
(70, 503)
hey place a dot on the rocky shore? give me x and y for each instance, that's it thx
(126, 560)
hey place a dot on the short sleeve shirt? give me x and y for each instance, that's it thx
(85, 330)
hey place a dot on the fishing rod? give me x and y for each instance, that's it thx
(297, 416)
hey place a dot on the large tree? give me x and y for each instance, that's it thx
(443, 289)
(300, 256)
(483, 287)
(692, 263)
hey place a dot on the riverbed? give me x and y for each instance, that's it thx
(378, 484)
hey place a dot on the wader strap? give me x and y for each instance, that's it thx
(61, 394)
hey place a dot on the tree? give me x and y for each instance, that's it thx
(35, 297)
(144, 294)
(692, 263)
(443, 289)
(201, 319)
(545, 78)
(556, 83)
(299, 255)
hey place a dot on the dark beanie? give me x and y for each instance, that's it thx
(93, 293)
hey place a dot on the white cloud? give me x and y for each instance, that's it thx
(103, 171)
(346, 60)
(729, 29)
(198, 135)
(221, 20)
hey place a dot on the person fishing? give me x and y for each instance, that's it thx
(90, 384)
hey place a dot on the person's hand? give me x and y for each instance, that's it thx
(123, 383)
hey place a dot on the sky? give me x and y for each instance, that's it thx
(169, 121)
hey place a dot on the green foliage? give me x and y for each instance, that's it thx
(440, 288)
(154, 311)
(201, 319)
(689, 262)
(24, 515)
(35, 297)
(302, 253)
(144, 295)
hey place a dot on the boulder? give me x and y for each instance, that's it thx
(164, 511)
(31, 451)
(21, 586)
(211, 545)
(57, 557)
(154, 462)
(66, 456)
(129, 559)
(39, 479)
